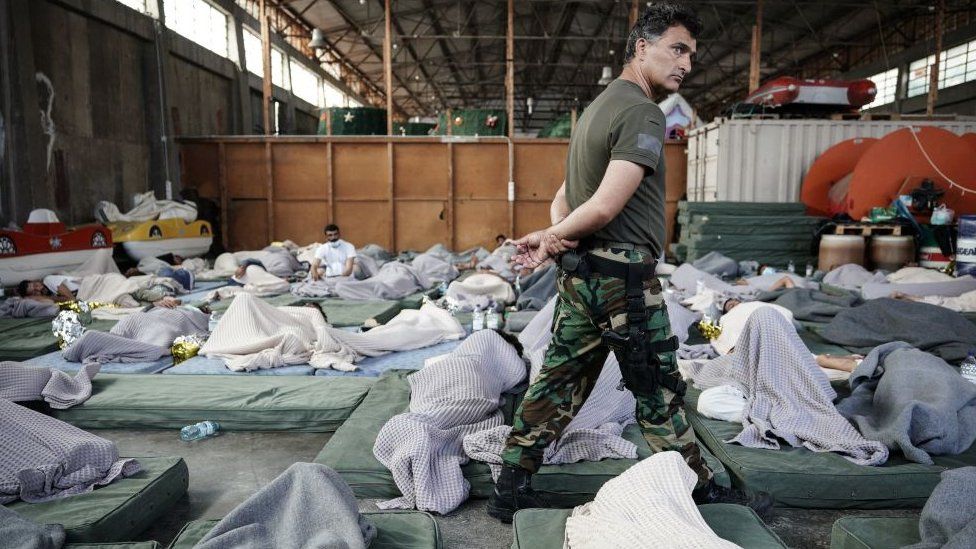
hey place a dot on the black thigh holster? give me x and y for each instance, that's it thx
(640, 365)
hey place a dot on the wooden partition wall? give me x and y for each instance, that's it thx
(399, 192)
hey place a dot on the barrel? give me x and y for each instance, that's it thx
(966, 246)
(840, 249)
(892, 252)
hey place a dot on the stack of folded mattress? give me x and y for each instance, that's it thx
(767, 232)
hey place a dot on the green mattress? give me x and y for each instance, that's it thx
(24, 338)
(282, 300)
(394, 530)
(350, 453)
(874, 532)
(238, 403)
(118, 511)
(797, 477)
(545, 528)
(412, 301)
(345, 312)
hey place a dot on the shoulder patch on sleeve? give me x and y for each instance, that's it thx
(650, 143)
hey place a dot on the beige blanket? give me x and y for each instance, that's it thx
(254, 335)
(649, 505)
(256, 281)
(109, 288)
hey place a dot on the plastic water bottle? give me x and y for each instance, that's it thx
(214, 320)
(699, 286)
(968, 366)
(200, 430)
(809, 270)
(491, 318)
(791, 267)
(477, 320)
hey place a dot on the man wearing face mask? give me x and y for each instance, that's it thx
(607, 231)
(334, 258)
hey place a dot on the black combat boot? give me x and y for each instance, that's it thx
(513, 491)
(760, 502)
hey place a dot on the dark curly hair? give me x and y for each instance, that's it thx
(658, 18)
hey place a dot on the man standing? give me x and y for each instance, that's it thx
(608, 230)
(334, 258)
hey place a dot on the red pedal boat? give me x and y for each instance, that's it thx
(45, 246)
(788, 95)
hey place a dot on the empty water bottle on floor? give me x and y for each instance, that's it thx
(491, 318)
(477, 320)
(809, 270)
(791, 268)
(968, 367)
(200, 430)
(214, 320)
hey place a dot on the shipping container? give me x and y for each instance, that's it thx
(765, 160)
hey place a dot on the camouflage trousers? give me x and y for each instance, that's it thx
(586, 307)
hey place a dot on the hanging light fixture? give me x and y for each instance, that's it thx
(529, 102)
(318, 40)
(606, 77)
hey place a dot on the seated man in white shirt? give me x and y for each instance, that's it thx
(334, 258)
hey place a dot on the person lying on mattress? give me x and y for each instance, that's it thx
(38, 291)
(902, 398)
(964, 303)
(160, 294)
(253, 334)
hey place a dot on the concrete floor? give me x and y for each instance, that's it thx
(225, 470)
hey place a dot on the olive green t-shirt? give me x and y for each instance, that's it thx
(621, 124)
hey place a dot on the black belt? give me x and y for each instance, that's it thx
(596, 243)
(583, 264)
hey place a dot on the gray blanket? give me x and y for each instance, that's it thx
(160, 326)
(24, 383)
(441, 252)
(395, 280)
(17, 307)
(931, 328)
(537, 289)
(307, 506)
(377, 253)
(788, 397)
(948, 520)
(714, 263)
(811, 305)
(42, 458)
(454, 415)
(16, 531)
(457, 396)
(912, 401)
(102, 347)
(852, 277)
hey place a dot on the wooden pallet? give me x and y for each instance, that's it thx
(868, 229)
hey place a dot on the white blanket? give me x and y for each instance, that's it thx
(479, 289)
(408, 330)
(917, 275)
(254, 335)
(649, 505)
(965, 303)
(224, 267)
(146, 207)
(256, 281)
(109, 288)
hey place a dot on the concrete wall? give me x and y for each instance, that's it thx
(116, 83)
